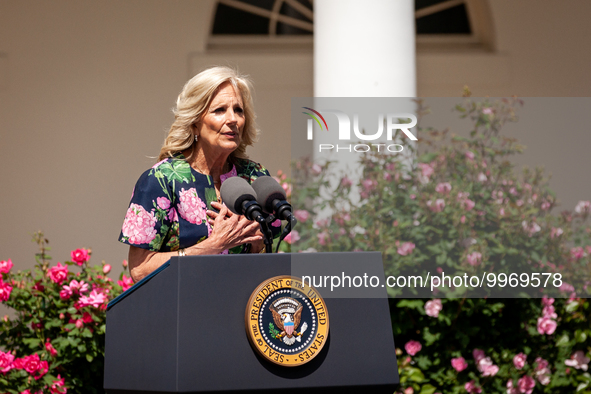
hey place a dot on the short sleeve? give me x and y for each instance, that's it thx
(151, 214)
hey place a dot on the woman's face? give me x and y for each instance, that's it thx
(222, 124)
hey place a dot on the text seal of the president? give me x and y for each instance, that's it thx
(286, 321)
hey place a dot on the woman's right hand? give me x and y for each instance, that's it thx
(230, 230)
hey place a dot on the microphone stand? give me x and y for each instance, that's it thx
(267, 234)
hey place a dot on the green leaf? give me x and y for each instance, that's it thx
(563, 340)
(416, 375)
(570, 308)
(427, 389)
(89, 358)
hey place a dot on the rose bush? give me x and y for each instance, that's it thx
(457, 205)
(55, 342)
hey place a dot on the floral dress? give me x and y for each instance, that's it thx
(168, 206)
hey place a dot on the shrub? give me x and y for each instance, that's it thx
(55, 343)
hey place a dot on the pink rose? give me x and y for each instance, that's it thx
(556, 232)
(426, 172)
(469, 155)
(409, 390)
(322, 238)
(482, 177)
(583, 207)
(58, 386)
(316, 169)
(467, 204)
(79, 323)
(191, 207)
(546, 325)
(124, 263)
(433, 307)
(301, 215)
(578, 360)
(511, 389)
(106, 269)
(6, 360)
(5, 290)
(549, 312)
(49, 347)
(43, 368)
(294, 236)
(471, 388)
(59, 273)
(436, 206)
(519, 360)
(80, 256)
(138, 225)
(526, 384)
(487, 111)
(346, 182)
(484, 364)
(459, 364)
(125, 282)
(577, 253)
(406, 248)
(412, 347)
(95, 299)
(474, 258)
(542, 371)
(31, 363)
(443, 188)
(163, 202)
(5, 266)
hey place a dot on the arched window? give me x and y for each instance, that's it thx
(438, 22)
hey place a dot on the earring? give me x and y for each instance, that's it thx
(196, 138)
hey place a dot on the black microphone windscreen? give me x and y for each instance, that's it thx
(267, 190)
(234, 192)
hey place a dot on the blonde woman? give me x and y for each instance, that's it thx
(170, 211)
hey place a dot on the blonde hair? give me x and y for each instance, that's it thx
(194, 101)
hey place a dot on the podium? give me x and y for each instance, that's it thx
(182, 329)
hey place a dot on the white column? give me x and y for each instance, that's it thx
(364, 48)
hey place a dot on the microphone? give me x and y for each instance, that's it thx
(271, 197)
(240, 198)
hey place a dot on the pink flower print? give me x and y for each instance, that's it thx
(277, 223)
(433, 307)
(191, 207)
(163, 202)
(301, 215)
(443, 188)
(5, 290)
(474, 258)
(459, 364)
(406, 248)
(6, 360)
(95, 299)
(413, 347)
(546, 326)
(526, 384)
(5, 266)
(519, 360)
(471, 388)
(172, 215)
(578, 360)
(125, 282)
(80, 256)
(59, 273)
(139, 225)
(160, 162)
(294, 236)
(230, 174)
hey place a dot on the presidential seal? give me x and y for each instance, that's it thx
(286, 321)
